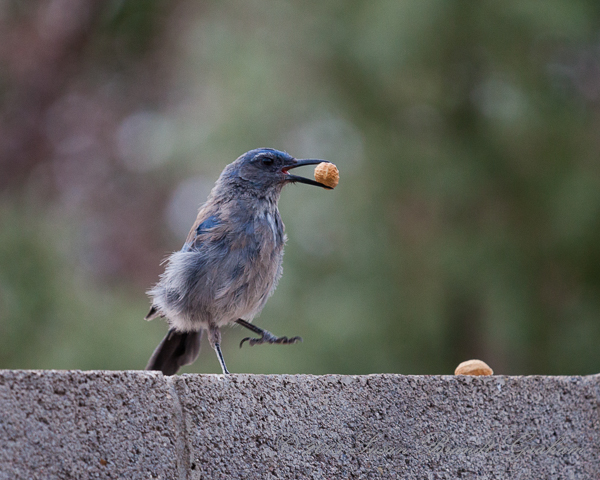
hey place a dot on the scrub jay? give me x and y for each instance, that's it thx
(230, 263)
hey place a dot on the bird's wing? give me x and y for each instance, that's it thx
(204, 223)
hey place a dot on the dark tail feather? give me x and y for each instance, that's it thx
(176, 350)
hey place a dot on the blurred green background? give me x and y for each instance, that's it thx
(466, 223)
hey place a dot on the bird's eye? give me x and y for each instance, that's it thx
(267, 161)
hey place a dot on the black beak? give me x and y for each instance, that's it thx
(296, 178)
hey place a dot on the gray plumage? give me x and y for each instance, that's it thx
(230, 263)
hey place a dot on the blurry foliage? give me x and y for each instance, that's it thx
(466, 223)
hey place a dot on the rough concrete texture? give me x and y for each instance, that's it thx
(71, 424)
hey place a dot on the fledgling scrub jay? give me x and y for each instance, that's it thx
(230, 263)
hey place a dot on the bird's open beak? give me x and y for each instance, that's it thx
(296, 178)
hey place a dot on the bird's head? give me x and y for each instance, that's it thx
(267, 170)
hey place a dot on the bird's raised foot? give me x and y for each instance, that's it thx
(268, 337)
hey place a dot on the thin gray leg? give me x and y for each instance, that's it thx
(214, 338)
(265, 335)
(221, 359)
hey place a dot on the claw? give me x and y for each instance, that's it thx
(268, 337)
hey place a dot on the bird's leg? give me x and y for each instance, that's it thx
(265, 336)
(214, 338)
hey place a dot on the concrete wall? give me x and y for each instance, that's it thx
(130, 425)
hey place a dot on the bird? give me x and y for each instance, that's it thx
(230, 263)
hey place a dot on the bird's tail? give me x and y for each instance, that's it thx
(176, 350)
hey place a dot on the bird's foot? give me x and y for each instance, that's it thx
(268, 337)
